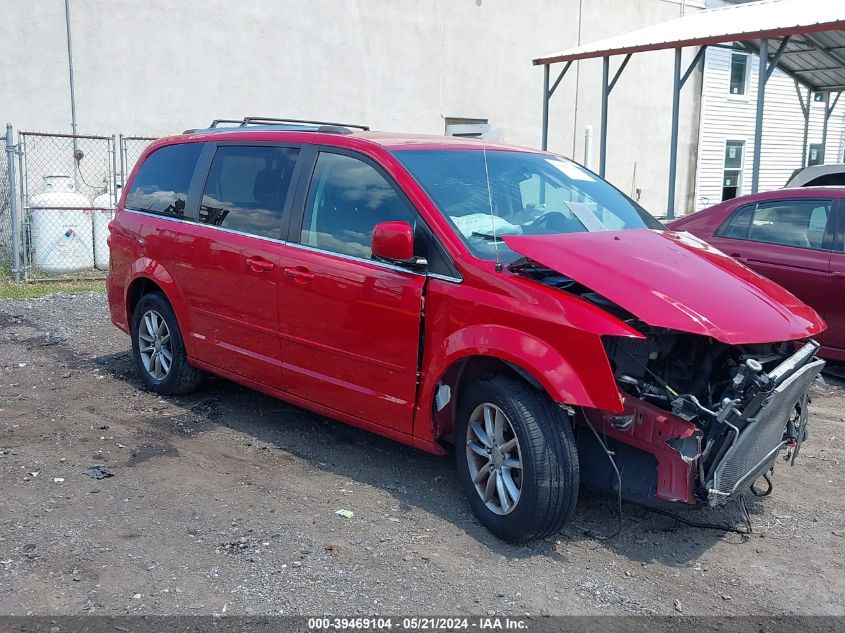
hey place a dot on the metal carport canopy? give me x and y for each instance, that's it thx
(807, 38)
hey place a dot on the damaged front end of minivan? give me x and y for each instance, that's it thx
(709, 401)
(713, 416)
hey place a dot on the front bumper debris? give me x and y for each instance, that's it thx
(774, 419)
(712, 463)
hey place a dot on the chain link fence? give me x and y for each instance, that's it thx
(62, 189)
(131, 148)
(68, 186)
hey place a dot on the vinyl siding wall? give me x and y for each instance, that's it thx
(726, 117)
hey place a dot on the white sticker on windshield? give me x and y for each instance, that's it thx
(484, 224)
(586, 216)
(570, 170)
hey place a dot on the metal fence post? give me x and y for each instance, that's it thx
(121, 149)
(113, 187)
(24, 198)
(13, 202)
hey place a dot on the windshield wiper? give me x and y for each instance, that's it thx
(487, 236)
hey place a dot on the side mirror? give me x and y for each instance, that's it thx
(394, 242)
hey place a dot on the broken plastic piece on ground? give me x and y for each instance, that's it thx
(346, 514)
(98, 472)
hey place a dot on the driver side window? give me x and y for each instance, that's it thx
(346, 199)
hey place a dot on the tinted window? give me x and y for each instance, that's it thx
(737, 225)
(347, 198)
(790, 223)
(827, 180)
(526, 194)
(247, 187)
(162, 182)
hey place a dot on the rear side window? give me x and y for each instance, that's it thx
(162, 182)
(800, 223)
(247, 187)
(737, 225)
(347, 198)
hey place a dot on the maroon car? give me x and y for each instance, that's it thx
(792, 236)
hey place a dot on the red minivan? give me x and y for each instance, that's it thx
(448, 292)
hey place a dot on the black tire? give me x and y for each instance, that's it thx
(549, 476)
(181, 377)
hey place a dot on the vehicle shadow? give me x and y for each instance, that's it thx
(419, 480)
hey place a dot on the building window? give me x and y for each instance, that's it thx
(818, 96)
(739, 73)
(468, 128)
(732, 175)
(815, 156)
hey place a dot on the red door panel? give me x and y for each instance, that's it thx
(835, 313)
(350, 335)
(229, 282)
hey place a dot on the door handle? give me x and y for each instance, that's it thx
(838, 274)
(259, 265)
(299, 274)
(739, 258)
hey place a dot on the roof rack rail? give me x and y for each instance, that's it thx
(263, 120)
(215, 122)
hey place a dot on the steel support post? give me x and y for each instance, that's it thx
(673, 147)
(805, 110)
(761, 100)
(824, 124)
(828, 110)
(605, 92)
(679, 81)
(545, 133)
(548, 92)
(13, 203)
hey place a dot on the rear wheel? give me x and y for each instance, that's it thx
(158, 348)
(516, 459)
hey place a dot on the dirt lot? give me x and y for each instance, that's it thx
(225, 500)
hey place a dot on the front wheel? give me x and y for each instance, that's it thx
(158, 348)
(516, 458)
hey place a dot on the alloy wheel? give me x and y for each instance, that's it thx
(494, 458)
(154, 345)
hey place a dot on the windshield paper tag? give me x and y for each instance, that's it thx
(586, 216)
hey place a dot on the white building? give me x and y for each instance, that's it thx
(726, 130)
(152, 67)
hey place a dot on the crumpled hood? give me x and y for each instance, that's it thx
(675, 281)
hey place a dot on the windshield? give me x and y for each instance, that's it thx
(530, 194)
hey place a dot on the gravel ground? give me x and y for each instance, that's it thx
(225, 501)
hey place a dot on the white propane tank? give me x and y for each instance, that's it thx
(62, 233)
(102, 214)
